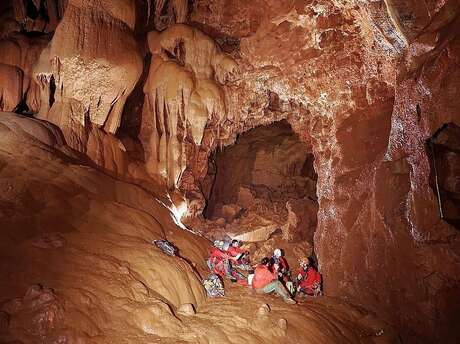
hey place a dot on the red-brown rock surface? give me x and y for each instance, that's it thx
(349, 79)
(90, 67)
(76, 250)
(362, 84)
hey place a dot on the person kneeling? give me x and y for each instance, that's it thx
(309, 278)
(266, 281)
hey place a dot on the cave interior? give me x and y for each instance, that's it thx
(328, 129)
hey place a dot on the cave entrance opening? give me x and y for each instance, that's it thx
(444, 153)
(264, 186)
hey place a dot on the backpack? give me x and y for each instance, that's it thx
(166, 247)
(213, 286)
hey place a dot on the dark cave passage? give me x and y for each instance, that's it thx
(268, 173)
(444, 153)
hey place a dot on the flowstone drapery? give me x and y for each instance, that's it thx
(89, 68)
(184, 95)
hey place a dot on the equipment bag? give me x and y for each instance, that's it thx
(166, 247)
(214, 286)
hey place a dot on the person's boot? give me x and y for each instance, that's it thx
(290, 301)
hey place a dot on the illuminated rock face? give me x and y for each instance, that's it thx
(184, 94)
(89, 68)
(363, 83)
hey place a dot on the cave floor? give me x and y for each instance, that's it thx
(313, 320)
(80, 267)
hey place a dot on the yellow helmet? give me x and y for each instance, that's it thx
(304, 261)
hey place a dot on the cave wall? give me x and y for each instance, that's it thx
(348, 78)
(365, 83)
(444, 152)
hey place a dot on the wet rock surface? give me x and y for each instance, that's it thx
(108, 284)
(150, 92)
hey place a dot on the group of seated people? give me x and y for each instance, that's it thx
(271, 275)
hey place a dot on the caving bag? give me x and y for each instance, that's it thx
(166, 247)
(214, 286)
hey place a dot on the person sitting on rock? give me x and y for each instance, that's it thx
(235, 248)
(309, 279)
(219, 262)
(280, 264)
(217, 257)
(282, 268)
(266, 281)
(241, 256)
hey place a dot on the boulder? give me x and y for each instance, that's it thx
(263, 310)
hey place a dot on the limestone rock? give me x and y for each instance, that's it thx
(4, 321)
(282, 324)
(230, 211)
(39, 309)
(49, 241)
(39, 16)
(180, 107)
(220, 221)
(245, 197)
(32, 129)
(107, 224)
(301, 220)
(10, 87)
(186, 309)
(156, 319)
(22, 52)
(368, 138)
(91, 80)
(263, 310)
(252, 228)
(362, 85)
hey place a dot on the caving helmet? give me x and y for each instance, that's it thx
(304, 262)
(277, 253)
(219, 244)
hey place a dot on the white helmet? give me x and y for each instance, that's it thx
(219, 244)
(277, 253)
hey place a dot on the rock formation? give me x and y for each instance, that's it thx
(325, 127)
(359, 85)
(76, 244)
(183, 96)
(87, 72)
(21, 53)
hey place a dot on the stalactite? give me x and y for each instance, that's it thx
(182, 88)
(94, 70)
(10, 87)
(180, 9)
